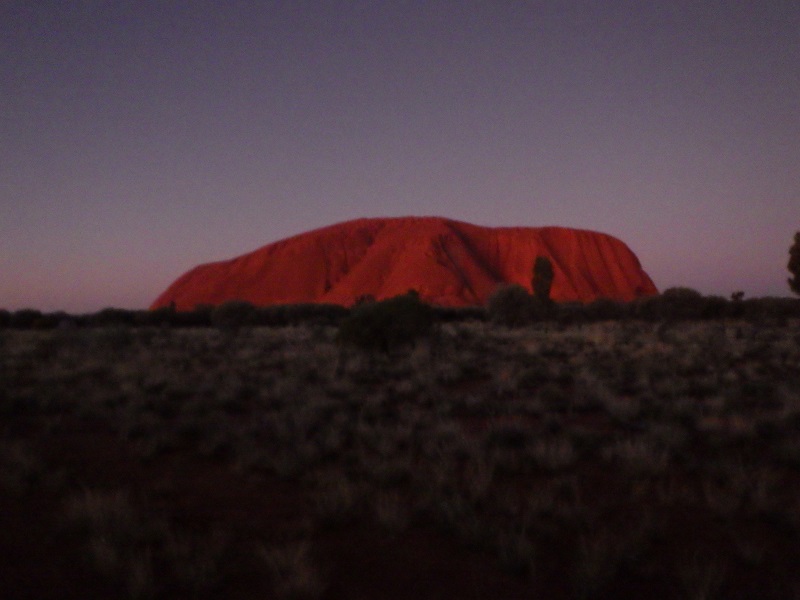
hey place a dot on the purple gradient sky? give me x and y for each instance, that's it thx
(140, 138)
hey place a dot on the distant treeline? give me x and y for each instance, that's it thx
(672, 304)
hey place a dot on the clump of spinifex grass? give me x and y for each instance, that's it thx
(294, 572)
(144, 553)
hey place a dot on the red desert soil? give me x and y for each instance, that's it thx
(449, 263)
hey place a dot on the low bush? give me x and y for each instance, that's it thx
(295, 314)
(112, 317)
(680, 303)
(605, 309)
(25, 318)
(159, 317)
(511, 305)
(233, 314)
(387, 325)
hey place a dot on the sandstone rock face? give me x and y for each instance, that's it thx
(449, 263)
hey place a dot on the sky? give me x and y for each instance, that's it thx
(141, 138)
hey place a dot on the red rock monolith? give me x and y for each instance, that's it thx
(449, 263)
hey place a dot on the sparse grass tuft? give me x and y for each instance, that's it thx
(294, 573)
(20, 468)
(702, 577)
(129, 546)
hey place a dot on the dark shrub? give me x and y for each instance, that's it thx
(570, 313)
(113, 317)
(233, 314)
(647, 308)
(681, 294)
(297, 314)
(714, 307)
(57, 320)
(673, 303)
(200, 316)
(25, 318)
(459, 314)
(605, 309)
(159, 316)
(389, 324)
(735, 308)
(780, 309)
(5, 318)
(511, 305)
(50, 320)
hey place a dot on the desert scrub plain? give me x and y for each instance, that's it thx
(618, 459)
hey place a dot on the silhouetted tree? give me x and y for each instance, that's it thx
(542, 279)
(794, 264)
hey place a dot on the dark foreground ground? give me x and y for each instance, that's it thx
(613, 460)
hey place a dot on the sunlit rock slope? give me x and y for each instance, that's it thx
(447, 262)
